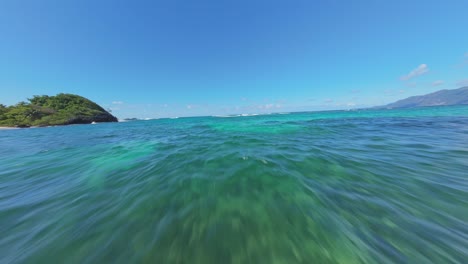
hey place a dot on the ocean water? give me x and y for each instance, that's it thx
(375, 186)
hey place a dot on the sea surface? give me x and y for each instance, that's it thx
(373, 186)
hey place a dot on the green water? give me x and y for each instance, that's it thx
(381, 186)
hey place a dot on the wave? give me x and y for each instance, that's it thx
(237, 115)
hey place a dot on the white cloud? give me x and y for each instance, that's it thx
(437, 83)
(117, 102)
(463, 82)
(189, 106)
(393, 92)
(420, 70)
(263, 107)
(411, 84)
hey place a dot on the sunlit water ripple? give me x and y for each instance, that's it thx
(387, 186)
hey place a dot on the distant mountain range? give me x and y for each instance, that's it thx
(443, 97)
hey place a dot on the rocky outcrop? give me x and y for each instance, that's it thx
(62, 109)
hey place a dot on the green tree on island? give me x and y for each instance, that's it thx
(62, 109)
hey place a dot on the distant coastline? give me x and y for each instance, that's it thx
(69, 109)
(440, 98)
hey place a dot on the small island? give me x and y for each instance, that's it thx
(61, 109)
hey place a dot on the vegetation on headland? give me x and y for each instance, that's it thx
(62, 109)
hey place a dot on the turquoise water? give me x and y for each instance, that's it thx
(381, 186)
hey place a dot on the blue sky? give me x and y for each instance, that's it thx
(186, 58)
